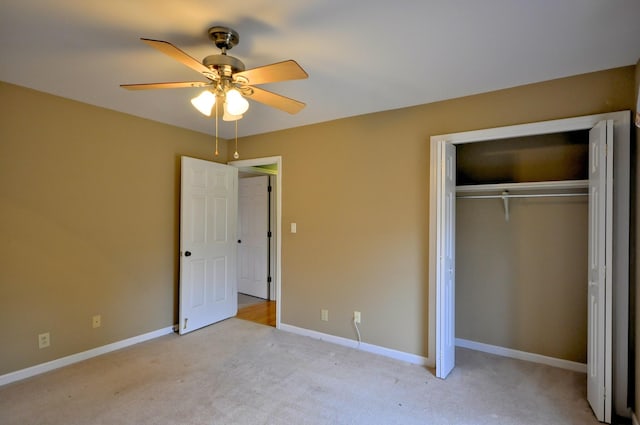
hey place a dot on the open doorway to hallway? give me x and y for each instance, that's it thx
(256, 310)
(259, 236)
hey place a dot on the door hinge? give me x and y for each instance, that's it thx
(269, 234)
(268, 279)
(269, 188)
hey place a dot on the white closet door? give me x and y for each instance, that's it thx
(208, 214)
(600, 245)
(445, 299)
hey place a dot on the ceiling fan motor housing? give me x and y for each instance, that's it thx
(224, 38)
(225, 65)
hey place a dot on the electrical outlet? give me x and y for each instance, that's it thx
(96, 321)
(324, 315)
(44, 340)
(356, 316)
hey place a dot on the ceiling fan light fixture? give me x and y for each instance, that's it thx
(204, 102)
(235, 104)
(226, 116)
(228, 80)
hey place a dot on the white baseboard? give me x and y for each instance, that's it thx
(634, 419)
(78, 357)
(370, 348)
(522, 355)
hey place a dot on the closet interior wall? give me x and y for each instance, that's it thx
(521, 282)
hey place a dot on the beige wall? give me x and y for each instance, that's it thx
(517, 279)
(547, 157)
(89, 224)
(88, 204)
(358, 189)
(521, 284)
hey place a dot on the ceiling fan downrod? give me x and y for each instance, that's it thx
(224, 38)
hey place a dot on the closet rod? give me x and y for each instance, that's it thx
(533, 195)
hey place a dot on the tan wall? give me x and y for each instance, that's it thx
(521, 284)
(547, 157)
(88, 201)
(517, 279)
(358, 189)
(89, 224)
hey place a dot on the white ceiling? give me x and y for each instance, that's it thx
(362, 56)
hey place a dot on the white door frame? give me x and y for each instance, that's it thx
(250, 165)
(436, 200)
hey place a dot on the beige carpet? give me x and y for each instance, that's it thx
(237, 372)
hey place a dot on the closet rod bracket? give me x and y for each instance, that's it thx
(505, 201)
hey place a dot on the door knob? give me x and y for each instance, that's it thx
(187, 254)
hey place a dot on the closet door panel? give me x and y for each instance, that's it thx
(596, 373)
(445, 339)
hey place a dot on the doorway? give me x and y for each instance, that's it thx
(254, 236)
(267, 311)
(521, 248)
(442, 231)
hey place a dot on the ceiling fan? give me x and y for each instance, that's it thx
(228, 81)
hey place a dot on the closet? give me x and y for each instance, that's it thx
(532, 314)
(521, 245)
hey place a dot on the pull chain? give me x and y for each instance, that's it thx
(217, 129)
(236, 155)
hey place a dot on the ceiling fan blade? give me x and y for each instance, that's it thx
(281, 71)
(177, 54)
(283, 103)
(177, 85)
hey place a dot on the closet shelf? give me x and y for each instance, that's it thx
(525, 186)
(531, 189)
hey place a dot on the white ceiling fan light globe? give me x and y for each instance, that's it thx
(236, 104)
(226, 116)
(204, 102)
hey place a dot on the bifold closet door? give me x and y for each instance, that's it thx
(445, 298)
(600, 246)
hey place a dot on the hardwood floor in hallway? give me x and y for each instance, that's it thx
(262, 312)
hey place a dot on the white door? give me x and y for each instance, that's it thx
(208, 215)
(600, 246)
(253, 240)
(445, 336)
